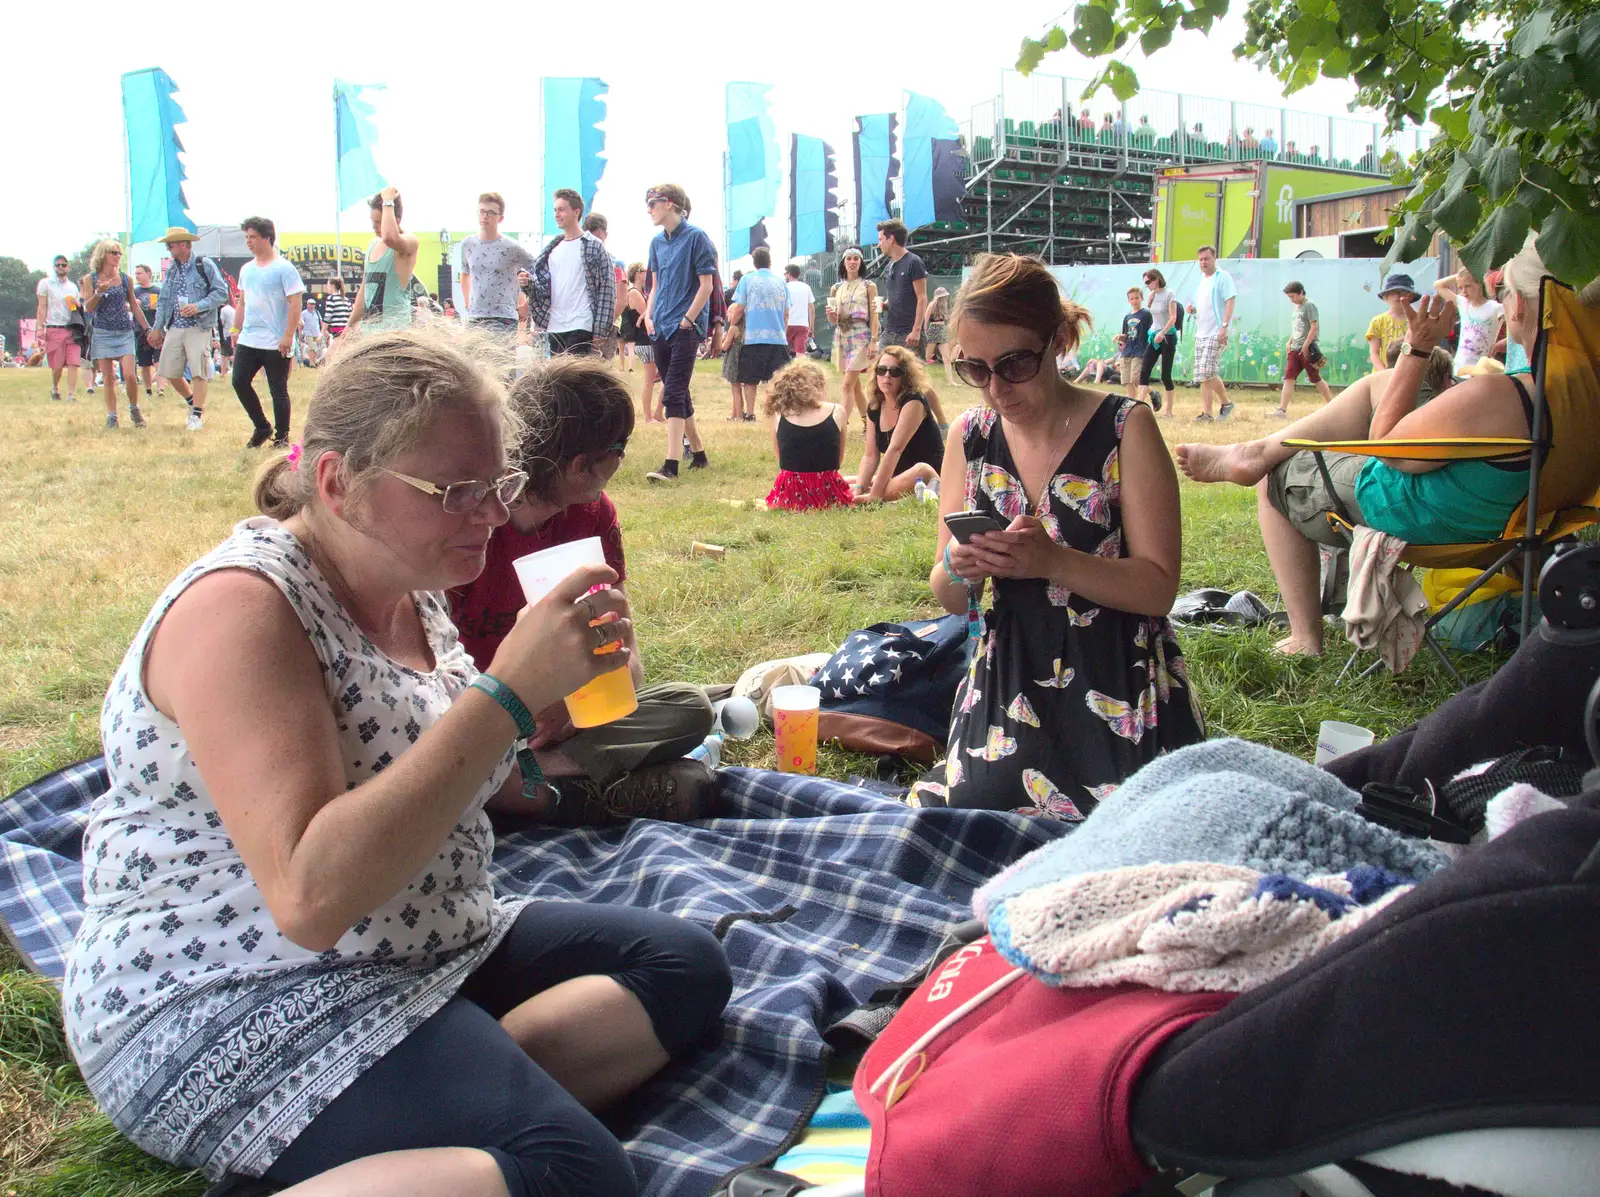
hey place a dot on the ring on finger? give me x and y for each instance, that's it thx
(588, 605)
(600, 635)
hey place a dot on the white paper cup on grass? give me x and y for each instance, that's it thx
(1334, 739)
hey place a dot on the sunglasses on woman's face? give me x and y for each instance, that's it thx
(1020, 366)
(892, 371)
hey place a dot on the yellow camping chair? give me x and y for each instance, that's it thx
(1563, 476)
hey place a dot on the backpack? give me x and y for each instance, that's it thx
(889, 688)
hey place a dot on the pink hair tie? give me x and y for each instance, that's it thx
(295, 453)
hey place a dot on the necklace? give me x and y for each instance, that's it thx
(1052, 460)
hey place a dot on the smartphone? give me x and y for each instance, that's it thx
(964, 525)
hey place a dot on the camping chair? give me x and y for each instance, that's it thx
(1563, 475)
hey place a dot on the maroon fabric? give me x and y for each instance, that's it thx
(486, 609)
(1027, 1095)
(798, 335)
(793, 491)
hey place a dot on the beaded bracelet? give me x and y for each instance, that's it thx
(509, 702)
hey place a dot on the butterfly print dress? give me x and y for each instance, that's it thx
(1063, 699)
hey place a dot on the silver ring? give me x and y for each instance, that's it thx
(600, 634)
(589, 607)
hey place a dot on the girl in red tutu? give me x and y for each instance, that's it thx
(808, 439)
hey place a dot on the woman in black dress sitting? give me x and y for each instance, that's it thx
(1076, 679)
(904, 445)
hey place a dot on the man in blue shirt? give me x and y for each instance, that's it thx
(683, 265)
(761, 299)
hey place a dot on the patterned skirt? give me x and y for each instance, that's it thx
(853, 342)
(730, 362)
(792, 491)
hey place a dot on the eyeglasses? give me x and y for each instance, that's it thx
(891, 371)
(487, 212)
(460, 498)
(1020, 366)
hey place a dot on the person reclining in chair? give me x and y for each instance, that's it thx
(1420, 502)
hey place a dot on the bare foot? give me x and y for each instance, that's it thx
(1293, 646)
(1245, 464)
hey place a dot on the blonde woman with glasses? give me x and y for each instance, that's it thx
(109, 300)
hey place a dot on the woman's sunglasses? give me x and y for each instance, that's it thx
(892, 371)
(1021, 366)
(463, 497)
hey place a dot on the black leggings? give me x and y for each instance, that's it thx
(459, 1080)
(1164, 351)
(246, 361)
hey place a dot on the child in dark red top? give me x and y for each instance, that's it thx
(579, 416)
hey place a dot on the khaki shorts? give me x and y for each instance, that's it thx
(189, 347)
(1295, 488)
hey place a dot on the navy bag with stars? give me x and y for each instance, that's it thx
(890, 687)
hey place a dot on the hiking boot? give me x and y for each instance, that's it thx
(698, 461)
(676, 791)
(138, 416)
(111, 419)
(194, 422)
(667, 473)
(258, 438)
(1225, 410)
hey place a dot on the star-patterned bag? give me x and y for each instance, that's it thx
(890, 687)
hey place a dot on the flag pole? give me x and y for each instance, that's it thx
(338, 240)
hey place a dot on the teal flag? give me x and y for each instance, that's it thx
(155, 172)
(574, 143)
(354, 137)
(754, 166)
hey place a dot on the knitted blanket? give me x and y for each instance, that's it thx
(1186, 928)
(1221, 802)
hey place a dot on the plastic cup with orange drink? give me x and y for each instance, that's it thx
(794, 723)
(610, 696)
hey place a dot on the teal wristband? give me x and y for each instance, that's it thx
(509, 702)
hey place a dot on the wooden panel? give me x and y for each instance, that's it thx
(1340, 214)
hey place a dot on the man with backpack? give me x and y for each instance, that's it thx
(191, 293)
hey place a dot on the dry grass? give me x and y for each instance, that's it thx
(94, 523)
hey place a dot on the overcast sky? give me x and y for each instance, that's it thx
(460, 113)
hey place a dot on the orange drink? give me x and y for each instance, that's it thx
(610, 696)
(794, 722)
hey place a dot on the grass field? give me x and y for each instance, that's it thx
(95, 522)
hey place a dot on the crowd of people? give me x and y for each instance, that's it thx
(366, 633)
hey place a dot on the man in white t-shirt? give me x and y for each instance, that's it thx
(1212, 310)
(489, 267)
(573, 293)
(226, 338)
(270, 296)
(1481, 318)
(802, 310)
(58, 298)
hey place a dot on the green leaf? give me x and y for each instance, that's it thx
(1458, 211)
(1502, 170)
(1092, 31)
(1033, 52)
(1154, 38)
(1122, 81)
(1532, 32)
(1411, 241)
(1588, 52)
(1536, 200)
(1499, 239)
(1336, 63)
(1535, 93)
(1569, 243)
(1452, 122)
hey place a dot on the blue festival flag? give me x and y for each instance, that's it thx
(935, 178)
(574, 143)
(155, 172)
(876, 170)
(813, 203)
(354, 137)
(754, 169)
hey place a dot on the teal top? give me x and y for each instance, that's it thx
(1464, 503)
(388, 301)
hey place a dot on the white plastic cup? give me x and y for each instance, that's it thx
(1334, 739)
(737, 718)
(795, 710)
(610, 696)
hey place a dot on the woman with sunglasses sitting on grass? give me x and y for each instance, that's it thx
(292, 963)
(904, 444)
(1076, 679)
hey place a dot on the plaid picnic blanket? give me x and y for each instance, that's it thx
(820, 892)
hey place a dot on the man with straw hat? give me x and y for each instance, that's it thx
(192, 291)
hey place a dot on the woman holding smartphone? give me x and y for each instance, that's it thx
(1076, 678)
